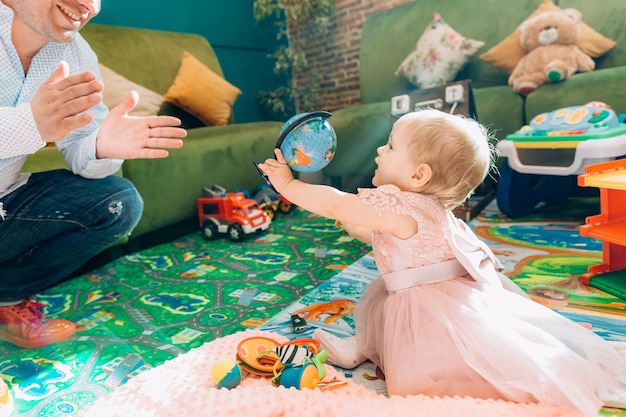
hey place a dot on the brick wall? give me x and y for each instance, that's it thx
(336, 56)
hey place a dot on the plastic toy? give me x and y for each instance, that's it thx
(297, 363)
(227, 374)
(608, 226)
(307, 141)
(569, 125)
(297, 323)
(271, 202)
(303, 376)
(230, 213)
(544, 156)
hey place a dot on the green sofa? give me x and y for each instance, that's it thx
(221, 155)
(388, 37)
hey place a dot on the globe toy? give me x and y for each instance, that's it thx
(226, 374)
(308, 141)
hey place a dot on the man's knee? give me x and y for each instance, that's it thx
(124, 205)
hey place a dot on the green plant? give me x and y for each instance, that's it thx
(297, 22)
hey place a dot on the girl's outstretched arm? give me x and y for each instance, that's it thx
(329, 202)
(364, 234)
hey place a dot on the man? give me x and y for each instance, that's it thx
(52, 222)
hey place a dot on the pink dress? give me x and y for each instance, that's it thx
(470, 336)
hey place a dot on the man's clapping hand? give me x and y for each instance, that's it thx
(128, 137)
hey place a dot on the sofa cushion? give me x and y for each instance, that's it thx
(202, 92)
(506, 54)
(499, 109)
(599, 85)
(117, 87)
(150, 58)
(439, 54)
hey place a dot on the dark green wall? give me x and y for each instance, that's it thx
(241, 44)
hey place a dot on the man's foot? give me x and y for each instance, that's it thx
(25, 325)
(341, 351)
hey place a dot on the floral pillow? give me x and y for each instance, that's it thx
(438, 56)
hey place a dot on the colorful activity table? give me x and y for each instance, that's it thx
(543, 157)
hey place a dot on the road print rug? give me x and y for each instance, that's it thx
(146, 308)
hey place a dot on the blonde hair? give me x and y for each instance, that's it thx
(458, 150)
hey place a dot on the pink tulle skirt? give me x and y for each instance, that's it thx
(460, 337)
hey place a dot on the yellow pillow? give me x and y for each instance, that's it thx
(117, 87)
(201, 92)
(507, 53)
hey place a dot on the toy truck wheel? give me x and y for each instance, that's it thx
(235, 232)
(285, 207)
(209, 230)
(270, 213)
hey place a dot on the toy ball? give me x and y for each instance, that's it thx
(226, 374)
(305, 376)
(308, 141)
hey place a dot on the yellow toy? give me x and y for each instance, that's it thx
(549, 40)
(227, 373)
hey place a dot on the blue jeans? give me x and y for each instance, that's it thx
(55, 223)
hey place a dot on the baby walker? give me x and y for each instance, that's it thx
(543, 158)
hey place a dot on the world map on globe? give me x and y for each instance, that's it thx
(310, 146)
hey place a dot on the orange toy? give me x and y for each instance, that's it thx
(610, 225)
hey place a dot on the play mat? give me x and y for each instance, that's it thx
(151, 306)
(146, 310)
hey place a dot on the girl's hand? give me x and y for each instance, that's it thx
(277, 171)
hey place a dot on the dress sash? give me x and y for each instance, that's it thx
(422, 275)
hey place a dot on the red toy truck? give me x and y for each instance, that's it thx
(230, 213)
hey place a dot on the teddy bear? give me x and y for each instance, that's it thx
(549, 40)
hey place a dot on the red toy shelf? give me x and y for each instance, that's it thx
(610, 225)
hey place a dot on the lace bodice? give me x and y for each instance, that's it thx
(427, 246)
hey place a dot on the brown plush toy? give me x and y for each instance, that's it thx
(549, 40)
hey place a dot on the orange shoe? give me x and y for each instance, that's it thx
(25, 325)
(6, 400)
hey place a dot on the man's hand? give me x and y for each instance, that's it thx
(59, 106)
(277, 171)
(127, 137)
